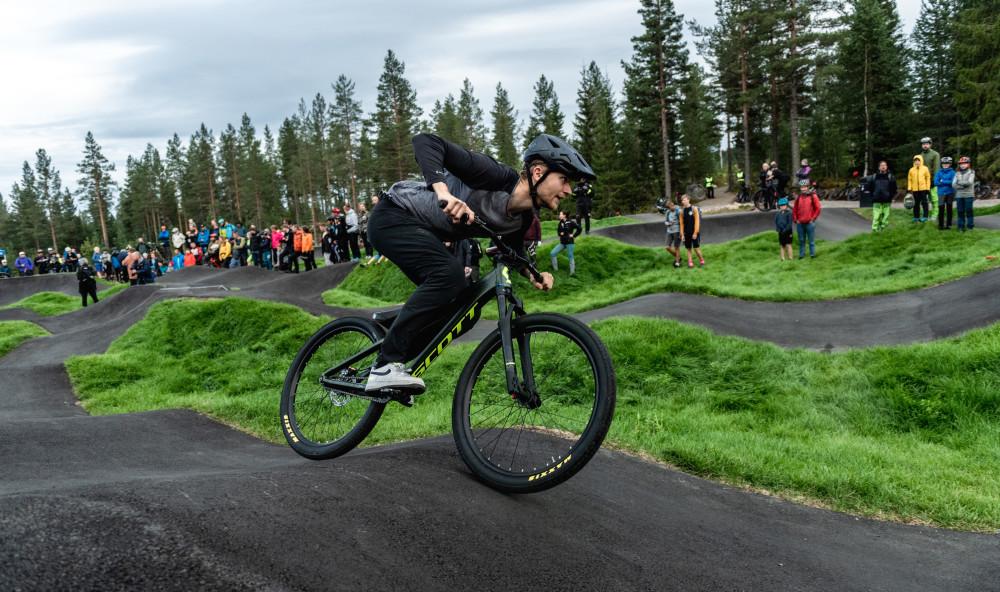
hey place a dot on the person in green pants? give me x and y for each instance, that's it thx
(932, 160)
(882, 186)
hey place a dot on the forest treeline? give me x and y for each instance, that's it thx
(838, 83)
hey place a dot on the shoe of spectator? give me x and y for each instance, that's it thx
(677, 263)
(701, 263)
(690, 263)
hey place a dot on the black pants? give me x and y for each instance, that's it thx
(88, 291)
(310, 260)
(710, 193)
(438, 274)
(945, 210)
(583, 218)
(920, 202)
(352, 239)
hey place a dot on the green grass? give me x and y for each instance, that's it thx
(901, 216)
(12, 333)
(900, 258)
(49, 304)
(904, 433)
(549, 227)
(351, 299)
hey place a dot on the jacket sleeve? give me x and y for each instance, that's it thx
(576, 230)
(437, 157)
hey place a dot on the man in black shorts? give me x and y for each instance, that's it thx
(691, 230)
(410, 229)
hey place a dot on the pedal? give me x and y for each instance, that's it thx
(402, 397)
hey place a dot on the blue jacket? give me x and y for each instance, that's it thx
(943, 179)
(783, 220)
(203, 237)
(178, 261)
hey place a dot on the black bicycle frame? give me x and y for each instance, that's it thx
(496, 284)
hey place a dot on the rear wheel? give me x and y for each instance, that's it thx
(522, 447)
(318, 422)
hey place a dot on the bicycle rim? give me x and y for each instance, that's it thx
(522, 449)
(320, 423)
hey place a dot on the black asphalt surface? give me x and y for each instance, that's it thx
(834, 224)
(16, 288)
(172, 500)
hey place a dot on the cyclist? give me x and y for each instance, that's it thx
(409, 228)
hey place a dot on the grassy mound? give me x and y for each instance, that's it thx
(49, 304)
(608, 271)
(909, 433)
(12, 333)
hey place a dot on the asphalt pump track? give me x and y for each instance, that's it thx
(173, 500)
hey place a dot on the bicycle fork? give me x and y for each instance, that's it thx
(522, 391)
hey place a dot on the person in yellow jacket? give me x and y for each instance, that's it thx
(225, 252)
(918, 182)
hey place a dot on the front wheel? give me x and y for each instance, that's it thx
(521, 447)
(318, 422)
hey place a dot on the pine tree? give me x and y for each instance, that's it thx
(96, 184)
(27, 221)
(345, 127)
(875, 100)
(699, 128)
(470, 119)
(935, 75)
(291, 174)
(253, 170)
(445, 122)
(199, 186)
(597, 139)
(48, 188)
(395, 120)
(504, 129)
(230, 162)
(174, 164)
(977, 95)
(653, 79)
(546, 114)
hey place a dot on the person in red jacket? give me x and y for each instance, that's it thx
(804, 213)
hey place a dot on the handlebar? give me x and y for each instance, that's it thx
(505, 251)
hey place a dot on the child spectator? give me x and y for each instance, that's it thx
(178, 261)
(691, 230)
(4, 269)
(568, 230)
(804, 213)
(804, 172)
(672, 222)
(98, 260)
(24, 265)
(783, 224)
(918, 182)
(189, 259)
(225, 252)
(965, 193)
(945, 193)
(308, 249)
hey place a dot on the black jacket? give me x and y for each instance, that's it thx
(568, 231)
(882, 186)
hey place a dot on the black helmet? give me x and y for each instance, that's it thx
(560, 156)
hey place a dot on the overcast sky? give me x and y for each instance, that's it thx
(135, 72)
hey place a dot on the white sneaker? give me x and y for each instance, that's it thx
(393, 376)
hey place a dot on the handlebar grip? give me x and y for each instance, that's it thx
(443, 204)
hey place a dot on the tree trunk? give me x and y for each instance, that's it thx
(100, 210)
(351, 167)
(868, 120)
(213, 214)
(793, 104)
(775, 117)
(730, 177)
(236, 188)
(664, 132)
(745, 102)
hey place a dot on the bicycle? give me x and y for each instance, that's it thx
(983, 190)
(763, 199)
(743, 195)
(531, 407)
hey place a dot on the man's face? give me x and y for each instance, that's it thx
(883, 167)
(555, 187)
(926, 146)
